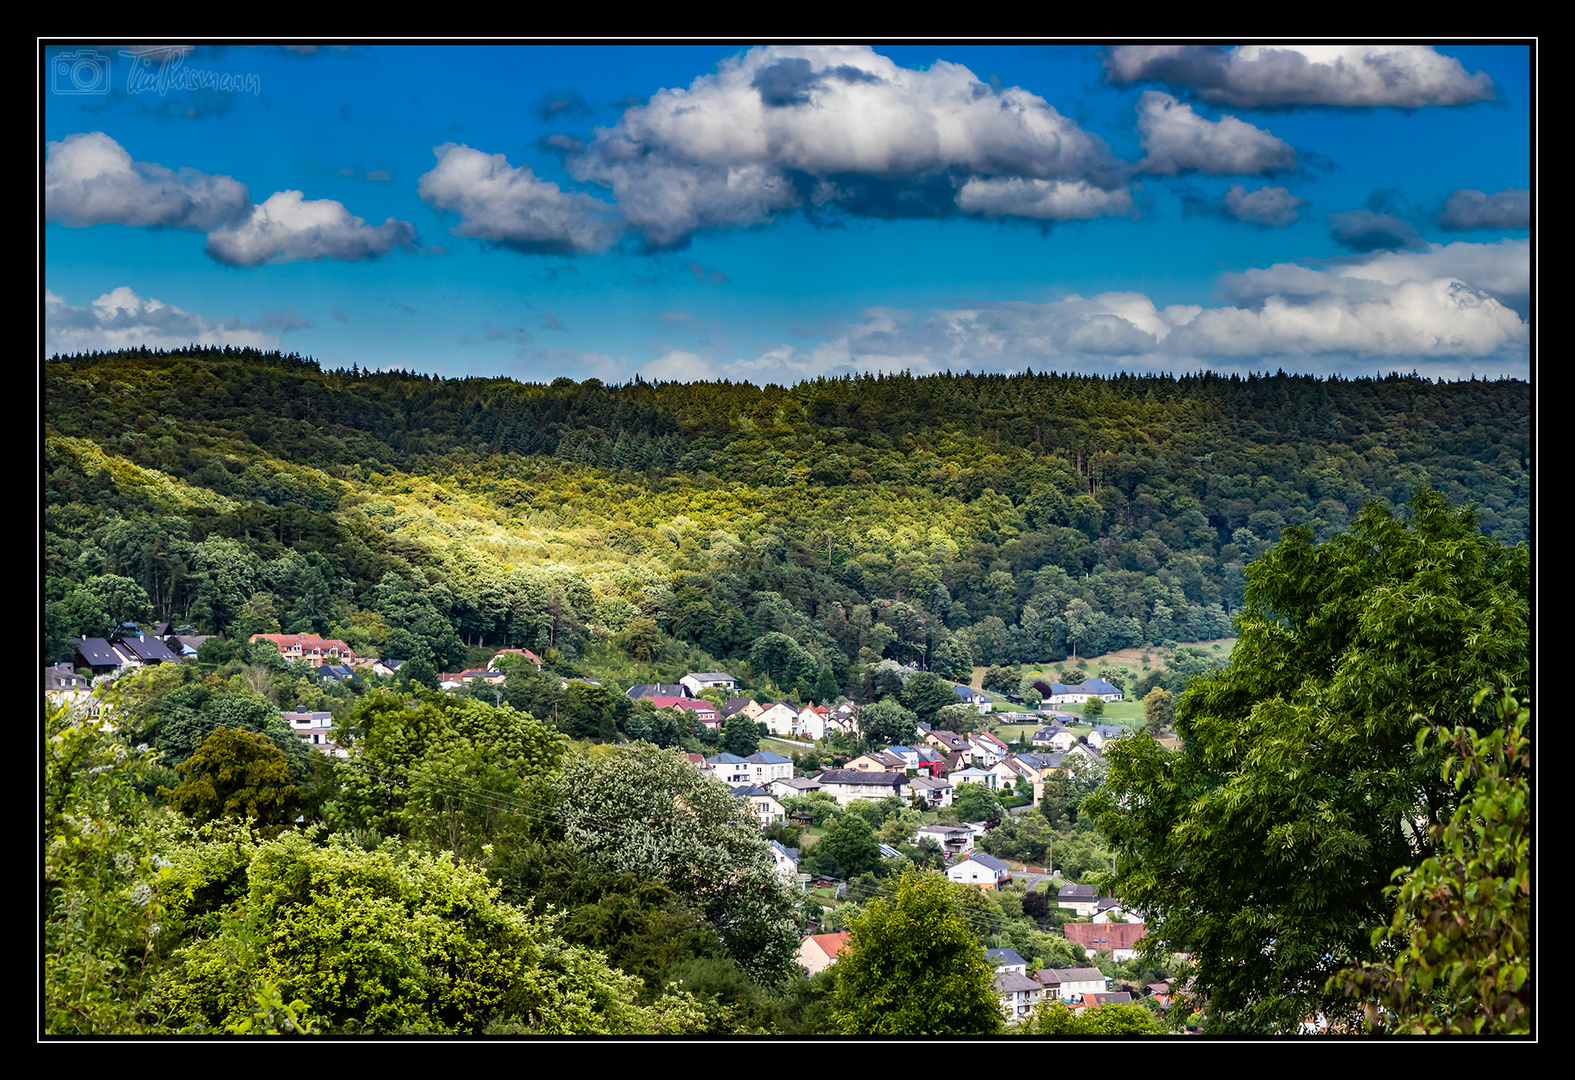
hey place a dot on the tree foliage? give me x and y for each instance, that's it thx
(646, 811)
(912, 967)
(1460, 935)
(377, 944)
(237, 774)
(1054, 1018)
(1265, 848)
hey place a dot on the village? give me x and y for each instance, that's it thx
(797, 795)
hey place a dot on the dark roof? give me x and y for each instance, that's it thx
(649, 690)
(1004, 957)
(1073, 891)
(96, 651)
(993, 863)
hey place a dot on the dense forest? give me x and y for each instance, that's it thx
(949, 520)
(501, 860)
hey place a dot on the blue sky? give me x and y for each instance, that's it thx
(777, 213)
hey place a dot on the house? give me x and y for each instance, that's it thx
(1119, 997)
(969, 696)
(1070, 984)
(748, 706)
(786, 861)
(1104, 733)
(974, 776)
(954, 839)
(817, 952)
(1019, 994)
(526, 653)
(143, 649)
(657, 690)
(1007, 960)
(700, 710)
(316, 729)
(1077, 693)
(697, 681)
(850, 784)
(986, 749)
(793, 787)
(62, 686)
(766, 767)
(779, 718)
(879, 761)
(729, 768)
(765, 806)
(1056, 737)
(812, 722)
(930, 791)
(1079, 899)
(985, 871)
(1118, 939)
(946, 741)
(97, 656)
(312, 648)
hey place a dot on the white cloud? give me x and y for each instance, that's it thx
(1178, 139)
(512, 206)
(289, 227)
(678, 365)
(1254, 76)
(1275, 207)
(90, 179)
(1060, 200)
(120, 319)
(1447, 310)
(838, 125)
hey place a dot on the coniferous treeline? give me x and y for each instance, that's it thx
(951, 519)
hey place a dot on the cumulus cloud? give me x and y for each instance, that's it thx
(120, 319)
(1258, 76)
(1179, 140)
(679, 365)
(1449, 309)
(1365, 230)
(513, 207)
(1272, 207)
(778, 127)
(1501, 270)
(289, 227)
(1471, 209)
(90, 179)
(1056, 200)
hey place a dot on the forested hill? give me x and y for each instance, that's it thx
(958, 519)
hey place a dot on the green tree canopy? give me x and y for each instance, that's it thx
(239, 774)
(1461, 928)
(975, 802)
(912, 967)
(848, 849)
(740, 735)
(1265, 849)
(887, 723)
(646, 811)
(379, 944)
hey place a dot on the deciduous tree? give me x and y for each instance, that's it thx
(1266, 848)
(913, 967)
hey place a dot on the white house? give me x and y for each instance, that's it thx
(697, 681)
(985, 871)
